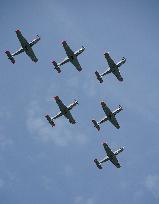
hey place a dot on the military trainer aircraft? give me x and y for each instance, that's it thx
(25, 47)
(64, 110)
(110, 156)
(71, 57)
(109, 116)
(113, 68)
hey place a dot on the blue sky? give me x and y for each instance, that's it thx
(40, 164)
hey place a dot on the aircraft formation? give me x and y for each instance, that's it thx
(71, 57)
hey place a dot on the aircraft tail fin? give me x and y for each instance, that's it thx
(50, 120)
(97, 164)
(99, 77)
(10, 57)
(120, 107)
(56, 66)
(123, 60)
(96, 124)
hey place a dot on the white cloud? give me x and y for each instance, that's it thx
(152, 184)
(59, 135)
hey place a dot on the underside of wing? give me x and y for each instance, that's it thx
(106, 109)
(114, 121)
(21, 39)
(110, 61)
(31, 54)
(114, 160)
(107, 149)
(69, 116)
(116, 72)
(76, 63)
(67, 49)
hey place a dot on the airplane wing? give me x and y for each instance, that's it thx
(69, 116)
(116, 72)
(106, 109)
(68, 50)
(64, 61)
(76, 63)
(114, 160)
(31, 54)
(119, 151)
(107, 150)
(110, 61)
(59, 103)
(21, 39)
(33, 42)
(114, 121)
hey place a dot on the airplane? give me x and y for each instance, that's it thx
(64, 110)
(71, 57)
(109, 116)
(111, 156)
(113, 68)
(25, 47)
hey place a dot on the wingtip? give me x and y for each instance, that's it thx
(17, 30)
(64, 41)
(56, 97)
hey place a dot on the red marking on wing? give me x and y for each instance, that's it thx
(63, 42)
(56, 97)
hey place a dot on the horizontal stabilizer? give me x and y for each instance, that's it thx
(123, 60)
(50, 120)
(97, 164)
(96, 124)
(120, 107)
(10, 57)
(56, 66)
(98, 76)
